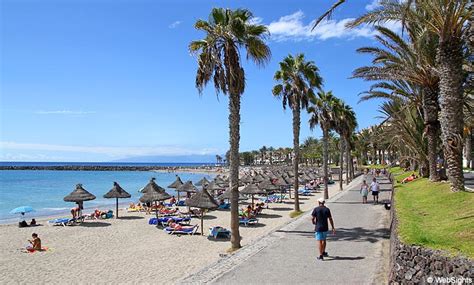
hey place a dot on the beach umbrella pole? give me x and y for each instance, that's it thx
(202, 222)
(156, 212)
(116, 208)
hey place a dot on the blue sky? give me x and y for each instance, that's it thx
(103, 80)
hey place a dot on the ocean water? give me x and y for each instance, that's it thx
(164, 164)
(44, 190)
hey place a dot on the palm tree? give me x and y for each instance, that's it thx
(321, 112)
(349, 124)
(411, 61)
(227, 33)
(297, 78)
(448, 20)
(263, 153)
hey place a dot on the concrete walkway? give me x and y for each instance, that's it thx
(358, 251)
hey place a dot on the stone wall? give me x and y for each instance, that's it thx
(411, 264)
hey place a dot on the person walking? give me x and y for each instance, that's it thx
(321, 215)
(374, 187)
(364, 191)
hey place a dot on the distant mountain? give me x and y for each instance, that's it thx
(171, 159)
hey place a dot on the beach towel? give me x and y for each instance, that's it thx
(185, 230)
(43, 249)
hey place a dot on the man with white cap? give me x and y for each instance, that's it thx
(321, 215)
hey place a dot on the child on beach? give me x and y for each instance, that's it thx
(364, 190)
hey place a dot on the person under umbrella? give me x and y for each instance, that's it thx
(153, 193)
(79, 195)
(204, 201)
(22, 210)
(117, 192)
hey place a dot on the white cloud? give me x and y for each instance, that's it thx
(64, 112)
(373, 5)
(112, 151)
(292, 27)
(174, 24)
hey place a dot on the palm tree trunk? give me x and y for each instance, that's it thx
(296, 150)
(450, 59)
(325, 160)
(468, 148)
(341, 162)
(348, 155)
(234, 132)
(430, 116)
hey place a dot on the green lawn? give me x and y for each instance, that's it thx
(433, 216)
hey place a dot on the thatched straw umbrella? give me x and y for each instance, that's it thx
(79, 195)
(203, 182)
(117, 192)
(252, 189)
(153, 193)
(258, 178)
(204, 201)
(213, 186)
(176, 184)
(187, 187)
(268, 186)
(228, 195)
(246, 179)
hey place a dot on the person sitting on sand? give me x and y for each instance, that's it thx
(33, 222)
(131, 205)
(35, 243)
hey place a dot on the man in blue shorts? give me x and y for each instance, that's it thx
(321, 215)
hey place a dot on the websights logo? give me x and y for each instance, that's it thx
(449, 280)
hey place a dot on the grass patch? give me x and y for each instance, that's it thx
(433, 216)
(294, 214)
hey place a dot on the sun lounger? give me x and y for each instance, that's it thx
(224, 206)
(247, 221)
(60, 222)
(189, 230)
(304, 192)
(219, 232)
(163, 221)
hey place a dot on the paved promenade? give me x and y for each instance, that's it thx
(358, 253)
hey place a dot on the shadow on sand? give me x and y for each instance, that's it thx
(94, 224)
(269, 216)
(281, 209)
(130, 218)
(331, 258)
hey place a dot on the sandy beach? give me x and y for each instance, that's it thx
(125, 250)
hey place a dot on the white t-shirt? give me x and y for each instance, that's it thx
(374, 186)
